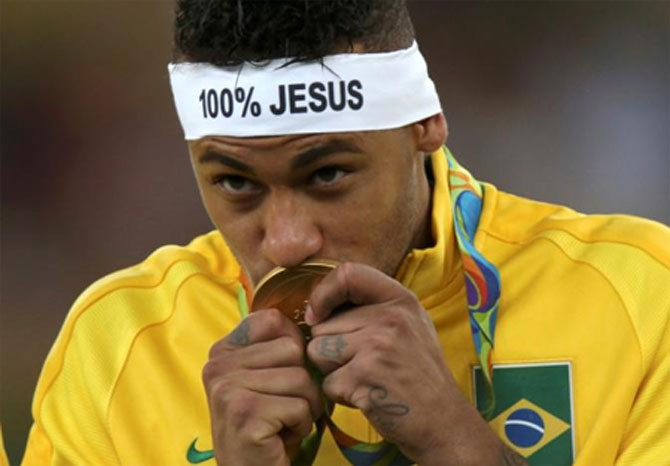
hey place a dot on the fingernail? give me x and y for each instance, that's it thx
(309, 315)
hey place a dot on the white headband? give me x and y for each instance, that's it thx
(350, 92)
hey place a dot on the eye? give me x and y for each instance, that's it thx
(235, 184)
(327, 176)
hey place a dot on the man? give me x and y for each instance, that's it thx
(315, 133)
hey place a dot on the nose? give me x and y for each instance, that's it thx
(290, 234)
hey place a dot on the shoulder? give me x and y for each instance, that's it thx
(206, 255)
(630, 255)
(141, 294)
(104, 322)
(519, 220)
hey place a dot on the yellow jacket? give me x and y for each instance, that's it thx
(582, 349)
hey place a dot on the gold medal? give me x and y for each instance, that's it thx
(288, 289)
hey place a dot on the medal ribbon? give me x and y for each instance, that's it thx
(482, 279)
(482, 282)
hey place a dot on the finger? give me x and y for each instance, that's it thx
(260, 420)
(297, 425)
(353, 386)
(349, 321)
(280, 352)
(350, 284)
(329, 352)
(271, 415)
(340, 385)
(285, 381)
(262, 325)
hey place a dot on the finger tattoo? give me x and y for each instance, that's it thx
(240, 335)
(331, 346)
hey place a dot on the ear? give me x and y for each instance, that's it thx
(430, 133)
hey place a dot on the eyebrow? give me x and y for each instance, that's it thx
(331, 147)
(302, 159)
(215, 157)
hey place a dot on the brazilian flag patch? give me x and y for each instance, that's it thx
(533, 409)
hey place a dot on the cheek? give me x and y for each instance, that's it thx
(213, 207)
(354, 227)
(239, 229)
(386, 223)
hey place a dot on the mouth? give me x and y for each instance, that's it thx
(257, 281)
(288, 289)
(281, 277)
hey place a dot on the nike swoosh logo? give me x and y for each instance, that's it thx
(195, 456)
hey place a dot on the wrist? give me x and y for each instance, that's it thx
(467, 439)
(485, 451)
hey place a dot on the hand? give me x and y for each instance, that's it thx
(262, 400)
(382, 355)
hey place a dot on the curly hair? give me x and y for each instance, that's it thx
(231, 32)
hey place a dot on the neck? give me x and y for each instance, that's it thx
(423, 238)
(435, 259)
(423, 234)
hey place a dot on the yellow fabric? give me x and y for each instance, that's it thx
(3, 455)
(122, 384)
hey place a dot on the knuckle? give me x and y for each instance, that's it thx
(339, 387)
(392, 320)
(215, 349)
(410, 299)
(303, 409)
(360, 399)
(331, 387)
(273, 319)
(252, 436)
(220, 391)
(364, 368)
(303, 378)
(394, 323)
(294, 349)
(380, 342)
(209, 372)
(396, 317)
(215, 368)
(345, 272)
(240, 409)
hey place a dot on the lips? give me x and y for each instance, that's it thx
(288, 289)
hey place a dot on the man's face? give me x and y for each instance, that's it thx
(279, 201)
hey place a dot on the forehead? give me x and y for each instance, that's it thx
(290, 145)
(270, 143)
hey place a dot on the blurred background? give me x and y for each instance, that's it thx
(566, 102)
